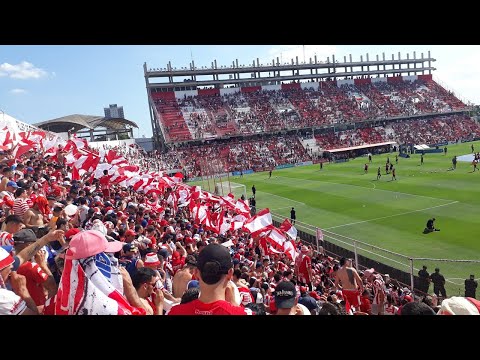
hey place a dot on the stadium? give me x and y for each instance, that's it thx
(301, 167)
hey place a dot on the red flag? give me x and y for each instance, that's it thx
(289, 229)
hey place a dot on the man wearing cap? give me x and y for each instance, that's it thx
(286, 302)
(130, 260)
(8, 197)
(40, 281)
(379, 291)
(214, 272)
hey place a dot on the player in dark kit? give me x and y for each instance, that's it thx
(393, 174)
(421, 159)
(254, 190)
(454, 162)
(365, 168)
(379, 175)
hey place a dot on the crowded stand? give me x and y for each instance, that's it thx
(257, 110)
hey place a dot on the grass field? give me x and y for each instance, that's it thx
(389, 214)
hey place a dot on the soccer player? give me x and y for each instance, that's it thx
(379, 175)
(365, 169)
(421, 159)
(454, 162)
(270, 174)
(474, 163)
(396, 159)
(254, 190)
(393, 174)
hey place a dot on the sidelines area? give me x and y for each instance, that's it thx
(390, 216)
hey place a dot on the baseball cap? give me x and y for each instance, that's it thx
(129, 247)
(71, 232)
(285, 294)
(92, 242)
(193, 284)
(5, 258)
(213, 261)
(12, 184)
(24, 236)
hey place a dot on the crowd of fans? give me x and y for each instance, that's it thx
(212, 116)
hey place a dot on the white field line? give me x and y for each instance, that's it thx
(290, 200)
(390, 216)
(363, 187)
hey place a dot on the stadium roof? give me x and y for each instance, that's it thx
(78, 122)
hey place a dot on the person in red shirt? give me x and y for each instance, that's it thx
(214, 271)
(40, 281)
(105, 184)
(365, 303)
(304, 268)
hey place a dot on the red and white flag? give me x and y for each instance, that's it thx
(259, 222)
(85, 289)
(289, 229)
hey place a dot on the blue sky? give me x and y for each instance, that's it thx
(39, 83)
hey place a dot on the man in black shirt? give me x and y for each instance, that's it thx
(438, 283)
(293, 216)
(254, 190)
(423, 280)
(471, 287)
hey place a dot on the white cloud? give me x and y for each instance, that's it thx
(18, 91)
(24, 70)
(286, 53)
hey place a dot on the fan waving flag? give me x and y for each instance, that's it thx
(289, 229)
(90, 286)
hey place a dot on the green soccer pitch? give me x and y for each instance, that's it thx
(342, 199)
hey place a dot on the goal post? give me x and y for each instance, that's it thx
(223, 188)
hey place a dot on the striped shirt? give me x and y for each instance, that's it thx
(20, 207)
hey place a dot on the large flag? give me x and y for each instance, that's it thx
(289, 229)
(259, 222)
(91, 286)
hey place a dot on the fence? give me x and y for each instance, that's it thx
(404, 269)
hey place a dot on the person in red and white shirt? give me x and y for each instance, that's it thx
(214, 271)
(13, 224)
(303, 267)
(379, 294)
(20, 205)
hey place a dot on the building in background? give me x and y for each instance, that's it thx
(114, 112)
